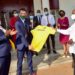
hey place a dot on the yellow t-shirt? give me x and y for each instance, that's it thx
(40, 35)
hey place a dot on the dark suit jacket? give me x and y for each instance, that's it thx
(4, 45)
(36, 22)
(22, 35)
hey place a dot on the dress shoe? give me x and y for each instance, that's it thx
(49, 52)
(54, 52)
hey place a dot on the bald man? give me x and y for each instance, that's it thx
(71, 32)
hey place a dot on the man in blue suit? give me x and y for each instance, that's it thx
(38, 17)
(5, 56)
(22, 44)
(35, 19)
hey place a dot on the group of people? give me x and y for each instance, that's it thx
(19, 29)
(47, 19)
(20, 25)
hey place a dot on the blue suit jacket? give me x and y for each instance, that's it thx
(36, 21)
(5, 46)
(22, 35)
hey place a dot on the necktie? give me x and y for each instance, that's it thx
(26, 26)
(39, 19)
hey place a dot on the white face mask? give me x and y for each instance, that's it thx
(73, 16)
(31, 17)
(16, 15)
(46, 13)
(38, 14)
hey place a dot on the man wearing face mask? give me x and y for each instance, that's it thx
(73, 15)
(23, 47)
(48, 20)
(71, 32)
(12, 22)
(37, 18)
(31, 17)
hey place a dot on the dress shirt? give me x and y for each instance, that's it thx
(48, 20)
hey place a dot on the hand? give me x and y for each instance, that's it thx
(58, 26)
(55, 29)
(63, 25)
(70, 42)
(30, 47)
(13, 32)
(48, 25)
(8, 32)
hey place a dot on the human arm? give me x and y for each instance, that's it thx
(21, 34)
(65, 32)
(8, 32)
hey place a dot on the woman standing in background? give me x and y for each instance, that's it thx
(12, 22)
(63, 23)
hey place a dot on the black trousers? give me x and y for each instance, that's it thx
(53, 42)
(73, 57)
(5, 65)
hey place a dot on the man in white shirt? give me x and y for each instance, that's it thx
(71, 32)
(48, 20)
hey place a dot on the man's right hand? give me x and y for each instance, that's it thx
(58, 26)
(13, 32)
(48, 25)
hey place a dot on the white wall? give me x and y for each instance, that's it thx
(45, 4)
(37, 5)
(68, 6)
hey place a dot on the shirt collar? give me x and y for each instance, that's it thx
(23, 20)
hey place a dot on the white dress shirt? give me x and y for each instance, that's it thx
(71, 32)
(48, 19)
(23, 20)
(4, 30)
